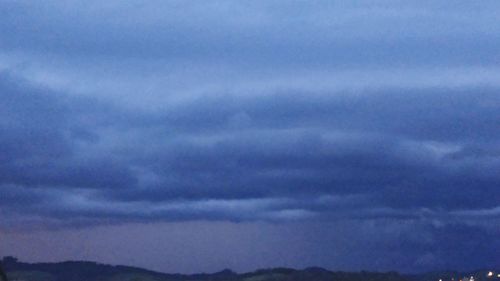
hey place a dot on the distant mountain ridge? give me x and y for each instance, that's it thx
(92, 271)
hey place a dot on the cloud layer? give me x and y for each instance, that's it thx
(325, 112)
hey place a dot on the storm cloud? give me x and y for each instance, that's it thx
(382, 117)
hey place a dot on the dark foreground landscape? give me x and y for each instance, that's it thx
(91, 271)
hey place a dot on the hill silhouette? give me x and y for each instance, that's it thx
(92, 271)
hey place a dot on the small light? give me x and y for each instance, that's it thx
(490, 273)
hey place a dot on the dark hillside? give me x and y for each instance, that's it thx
(92, 271)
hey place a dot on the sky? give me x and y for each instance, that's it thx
(193, 136)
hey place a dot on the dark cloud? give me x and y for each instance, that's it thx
(400, 151)
(42, 132)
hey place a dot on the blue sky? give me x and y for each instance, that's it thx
(244, 134)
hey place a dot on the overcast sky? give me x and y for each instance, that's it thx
(188, 136)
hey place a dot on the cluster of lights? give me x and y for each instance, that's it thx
(490, 274)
